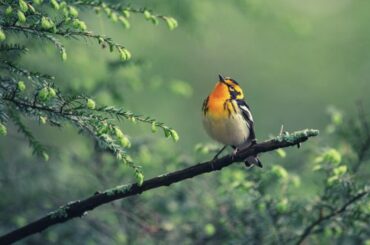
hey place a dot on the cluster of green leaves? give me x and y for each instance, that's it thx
(36, 96)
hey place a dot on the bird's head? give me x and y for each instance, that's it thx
(227, 88)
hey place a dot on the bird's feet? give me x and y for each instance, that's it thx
(219, 152)
(235, 151)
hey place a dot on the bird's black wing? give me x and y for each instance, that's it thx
(245, 109)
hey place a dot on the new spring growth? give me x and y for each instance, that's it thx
(9, 10)
(280, 172)
(174, 135)
(43, 94)
(114, 17)
(45, 156)
(23, 6)
(118, 132)
(123, 140)
(46, 23)
(90, 104)
(124, 22)
(282, 205)
(139, 178)
(73, 11)
(124, 54)
(21, 16)
(147, 14)
(126, 13)
(79, 24)
(21, 86)
(132, 119)
(54, 4)
(46, 93)
(171, 23)
(64, 55)
(2, 35)
(3, 130)
(43, 120)
(171, 133)
(154, 127)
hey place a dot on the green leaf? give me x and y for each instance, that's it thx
(125, 142)
(21, 16)
(171, 23)
(209, 229)
(154, 127)
(23, 6)
(280, 172)
(332, 179)
(124, 54)
(126, 13)
(52, 93)
(90, 104)
(3, 130)
(114, 17)
(139, 178)
(43, 94)
(2, 35)
(43, 120)
(45, 156)
(21, 86)
(174, 135)
(124, 22)
(54, 4)
(282, 205)
(9, 10)
(167, 132)
(147, 14)
(118, 132)
(64, 55)
(339, 171)
(79, 24)
(281, 153)
(73, 11)
(46, 23)
(331, 156)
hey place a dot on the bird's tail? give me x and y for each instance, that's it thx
(253, 160)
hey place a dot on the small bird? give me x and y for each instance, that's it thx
(227, 118)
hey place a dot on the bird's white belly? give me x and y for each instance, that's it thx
(229, 131)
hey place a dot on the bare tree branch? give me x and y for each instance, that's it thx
(80, 207)
(309, 229)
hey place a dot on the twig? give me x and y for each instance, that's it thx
(80, 207)
(309, 229)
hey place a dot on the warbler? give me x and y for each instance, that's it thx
(227, 118)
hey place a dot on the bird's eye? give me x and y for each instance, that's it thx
(231, 89)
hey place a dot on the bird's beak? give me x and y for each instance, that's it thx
(222, 79)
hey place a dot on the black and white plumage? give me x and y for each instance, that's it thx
(227, 118)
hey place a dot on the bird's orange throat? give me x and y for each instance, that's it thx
(216, 106)
(220, 92)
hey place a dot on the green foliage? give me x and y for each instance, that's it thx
(280, 52)
(53, 21)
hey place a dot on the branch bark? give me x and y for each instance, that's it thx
(80, 207)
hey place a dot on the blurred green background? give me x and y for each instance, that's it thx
(293, 59)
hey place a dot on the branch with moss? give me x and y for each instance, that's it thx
(80, 207)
